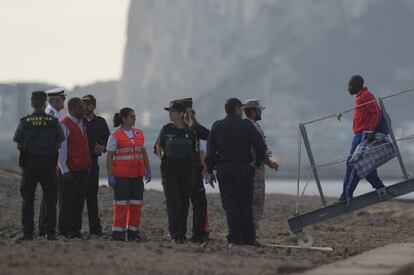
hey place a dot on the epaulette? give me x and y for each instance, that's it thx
(23, 118)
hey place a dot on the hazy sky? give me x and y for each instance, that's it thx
(62, 42)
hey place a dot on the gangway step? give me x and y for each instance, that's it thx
(298, 222)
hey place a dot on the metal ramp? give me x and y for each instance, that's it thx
(299, 221)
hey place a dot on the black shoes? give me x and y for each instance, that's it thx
(133, 236)
(118, 236)
(178, 241)
(26, 237)
(51, 237)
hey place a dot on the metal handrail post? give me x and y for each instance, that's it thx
(312, 161)
(397, 150)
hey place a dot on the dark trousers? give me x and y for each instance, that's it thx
(351, 178)
(177, 181)
(42, 212)
(129, 189)
(72, 201)
(236, 191)
(92, 199)
(40, 169)
(199, 202)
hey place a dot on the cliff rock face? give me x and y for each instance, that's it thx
(296, 56)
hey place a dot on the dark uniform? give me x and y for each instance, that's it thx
(229, 151)
(177, 172)
(38, 136)
(98, 133)
(198, 193)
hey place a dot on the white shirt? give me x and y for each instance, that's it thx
(112, 145)
(63, 151)
(52, 111)
(203, 146)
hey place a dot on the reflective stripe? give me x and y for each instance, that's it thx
(132, 228)
(119, 229)
(128, 157)
(120, 202)
(137, 202)
(129, 149)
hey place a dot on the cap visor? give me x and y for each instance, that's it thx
(166, 108)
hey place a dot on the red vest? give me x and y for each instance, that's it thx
(128, 161)
(79, 158)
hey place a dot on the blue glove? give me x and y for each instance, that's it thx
(147, 176)
(111, 181)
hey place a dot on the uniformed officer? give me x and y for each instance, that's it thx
(175, 146)
(229, 151)
(253, 111)
(56, 99)
(98, 133)
(56, 102)
(38, 137)
(198, 193)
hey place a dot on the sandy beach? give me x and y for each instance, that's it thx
(349, 235)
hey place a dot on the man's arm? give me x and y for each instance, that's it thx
(159, 144)
(18, 136)
(258, 145)
(374, 111)
(63, 151)
(211, 150)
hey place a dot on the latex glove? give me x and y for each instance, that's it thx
(111, 181)
(147, 176)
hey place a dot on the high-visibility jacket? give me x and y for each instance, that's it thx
(128, 160)
(79, 158)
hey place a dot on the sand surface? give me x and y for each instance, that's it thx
(386, 223)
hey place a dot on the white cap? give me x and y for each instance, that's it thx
(56, 92)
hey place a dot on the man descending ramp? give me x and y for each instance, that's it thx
(368, 120)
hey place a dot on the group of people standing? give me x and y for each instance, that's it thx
(61, 153)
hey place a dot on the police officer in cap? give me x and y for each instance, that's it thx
(229, 152)
(198, 194)
(38, 137)
(176, 148)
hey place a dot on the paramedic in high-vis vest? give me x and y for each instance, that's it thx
(127, 165)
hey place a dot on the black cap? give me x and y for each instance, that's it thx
(187, 102)
(233, 102)
(39, 95)
(89, 98)
(177, 105)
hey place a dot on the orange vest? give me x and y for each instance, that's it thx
(79, 157)
(128, 160)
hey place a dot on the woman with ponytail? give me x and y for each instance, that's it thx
(127, 165)
(176, 148)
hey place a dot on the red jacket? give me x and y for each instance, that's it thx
(79, 158)
(368, 116)
(128, 160)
